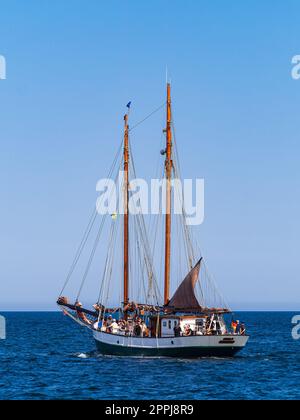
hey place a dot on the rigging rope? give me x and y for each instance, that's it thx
(146, 118)
(190, 247)
(79, 250)
(93, 251)
(91, 257)
(146, 246)
(88, 229)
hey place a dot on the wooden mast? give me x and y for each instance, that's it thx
(126, 215)
(168, 168)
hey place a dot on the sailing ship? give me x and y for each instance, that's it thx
(160, 325)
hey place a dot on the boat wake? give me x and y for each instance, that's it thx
(88, 355)
(96, 355)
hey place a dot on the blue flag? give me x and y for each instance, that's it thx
(128, 105)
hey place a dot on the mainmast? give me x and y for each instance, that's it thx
(168, 168)
(126, 209)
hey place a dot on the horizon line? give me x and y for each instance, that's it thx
(236, 310)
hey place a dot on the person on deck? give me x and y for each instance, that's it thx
(188, 331)
(115, 329)
(122, 325)
(109, 324)
(243, 329)
(234, 326)
(103, 327)
(109, 321)
(213, 327)
(138, 330)
(96, 307)
(177, 330)
(145, 330)
(130, 327)
(81, 315)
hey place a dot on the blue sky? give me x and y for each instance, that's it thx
(71, 68)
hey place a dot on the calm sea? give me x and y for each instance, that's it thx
(46, 356)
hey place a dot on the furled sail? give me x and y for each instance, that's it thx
(184, 297)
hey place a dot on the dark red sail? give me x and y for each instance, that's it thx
(185, 298)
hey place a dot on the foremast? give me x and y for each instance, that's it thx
(126, 209)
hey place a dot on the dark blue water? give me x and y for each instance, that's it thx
(46, 356)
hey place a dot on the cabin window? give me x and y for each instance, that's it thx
(164, 323)
(170, 325)
(175, 323)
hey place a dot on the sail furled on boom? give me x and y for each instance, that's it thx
(184, 297)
